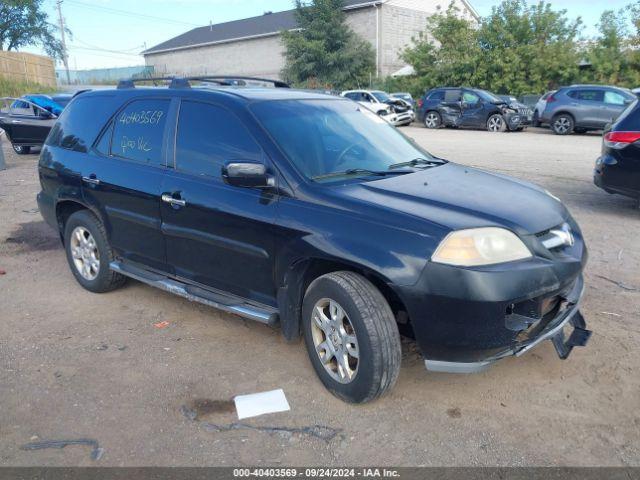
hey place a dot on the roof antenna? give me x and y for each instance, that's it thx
(210, 26)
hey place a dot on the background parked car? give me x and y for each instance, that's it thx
(618, 168)
(524, 110)
(25, 123)
(539, 108)
(580, 108)
(467, 107)
(406, 96)
(379, 102)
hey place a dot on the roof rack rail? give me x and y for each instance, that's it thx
(183, 82)
(174, 82)
(236, 79)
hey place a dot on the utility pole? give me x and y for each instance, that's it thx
(65, 59)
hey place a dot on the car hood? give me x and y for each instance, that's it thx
(460, 197)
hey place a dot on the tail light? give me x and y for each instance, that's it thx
(420, 102)
(620, 140)
(551, 98)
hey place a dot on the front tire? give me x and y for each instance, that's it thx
(562, 124)
(496, 123)
(21, 150)
(432, 119)
(351, 336)
(89, 253)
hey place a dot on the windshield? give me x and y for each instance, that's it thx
(325, 137)
(380, 96)
(489, 97)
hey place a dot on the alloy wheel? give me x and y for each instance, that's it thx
(495, 124)
(85, 254)
(431, 120)
(335, 340)
(562, 125)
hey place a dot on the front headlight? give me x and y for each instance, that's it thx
(480, 246)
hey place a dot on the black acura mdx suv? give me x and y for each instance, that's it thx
(309, 212)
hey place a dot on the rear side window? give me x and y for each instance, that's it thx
(138, 131)
(437, 95)
(81, 122)
(209, 136)
(452, 95)
(590, 95)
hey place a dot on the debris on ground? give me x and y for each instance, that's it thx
(261, 403)
(454, 412)
(318, 431)
(619, 284)
(611, 313)
(96, 452)
(201, 407)
(163, 324)
(3, 272)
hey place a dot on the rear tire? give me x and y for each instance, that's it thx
(351, 336)
(21, 150)
(562, 124)
(432, 119)
(89, 253)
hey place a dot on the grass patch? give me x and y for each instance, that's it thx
(16, 88)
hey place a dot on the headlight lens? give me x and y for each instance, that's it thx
(480, 246)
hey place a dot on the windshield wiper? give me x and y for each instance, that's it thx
(415, 162)
(355, 171)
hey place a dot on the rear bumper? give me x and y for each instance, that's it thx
(608, 175)
(47, 209)
(554, 331)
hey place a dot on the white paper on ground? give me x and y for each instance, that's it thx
(260, 403)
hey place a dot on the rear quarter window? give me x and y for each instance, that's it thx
(437, 95)
(138, 131)
(81, 122)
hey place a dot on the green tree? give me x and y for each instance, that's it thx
(325, 52)
(611, 54)
(24, 23)
(527, 48)
(519, 48)
(447, 53)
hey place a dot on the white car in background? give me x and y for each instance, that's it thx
(539, 108)
(382, 104)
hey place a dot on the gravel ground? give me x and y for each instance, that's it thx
(79, 365)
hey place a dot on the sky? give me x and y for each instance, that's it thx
(112, 33)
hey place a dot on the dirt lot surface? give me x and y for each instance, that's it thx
(79, 365)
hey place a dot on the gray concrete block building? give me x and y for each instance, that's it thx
(252, 46)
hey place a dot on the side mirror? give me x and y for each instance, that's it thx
(247, 174)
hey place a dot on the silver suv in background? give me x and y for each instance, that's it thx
(579, 108)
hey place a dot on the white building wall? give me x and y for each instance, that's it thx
(258, 57)
(389, 28)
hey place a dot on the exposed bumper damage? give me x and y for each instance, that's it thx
(567, 316)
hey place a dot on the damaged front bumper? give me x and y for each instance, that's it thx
(568, 316)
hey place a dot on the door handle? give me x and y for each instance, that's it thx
(91, 179)
(167, 198)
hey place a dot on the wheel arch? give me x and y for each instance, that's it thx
(67, 207)
(300, 275)
(564, 112)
